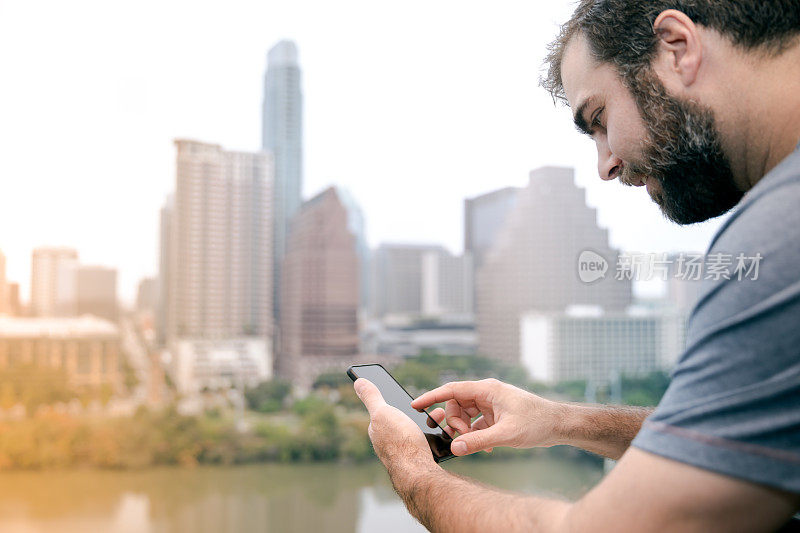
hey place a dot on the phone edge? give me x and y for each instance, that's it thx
(351, 374)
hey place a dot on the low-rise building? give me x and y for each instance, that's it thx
(585, 343)
(87, 347)
(402, 337)
(215, 364)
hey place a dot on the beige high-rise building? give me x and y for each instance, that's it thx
(49, 285)
(319, 287)
(533, 264)
(96, 292)
(218, 271)
(12, 298)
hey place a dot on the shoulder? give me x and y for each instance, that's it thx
(767, 211)
(754, 258)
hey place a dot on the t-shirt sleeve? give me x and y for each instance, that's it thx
(733, 405)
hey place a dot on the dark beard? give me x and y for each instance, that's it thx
(683, 154)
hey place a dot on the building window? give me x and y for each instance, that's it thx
(84, 358)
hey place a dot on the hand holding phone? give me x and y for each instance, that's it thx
(396, 396)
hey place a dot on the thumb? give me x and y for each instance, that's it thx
(475, 441)
(369, 394)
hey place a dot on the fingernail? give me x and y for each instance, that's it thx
(358, 385)
(458, 447)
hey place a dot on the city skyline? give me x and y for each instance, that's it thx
(388, 135)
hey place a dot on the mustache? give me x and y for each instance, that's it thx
(632, 174)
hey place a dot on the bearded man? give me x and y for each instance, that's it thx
(698, 101)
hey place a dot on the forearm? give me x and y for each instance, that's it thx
(445, 502)
(604, 430)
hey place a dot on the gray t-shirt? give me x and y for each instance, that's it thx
(733, 405)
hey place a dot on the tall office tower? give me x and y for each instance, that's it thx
(319, 287)
(219, 267)
(282, 135)
(50, 285)
(355, 222)
(484, 215)
(96, 292)
(147, 295)
(163, 323)
(4, 300)
(410, 279)
(533, 264)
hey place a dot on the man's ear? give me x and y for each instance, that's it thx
(680, 50)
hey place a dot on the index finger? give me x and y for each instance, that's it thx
(461, 391)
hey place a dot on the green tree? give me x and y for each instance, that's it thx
(268, 397)
(331, 380)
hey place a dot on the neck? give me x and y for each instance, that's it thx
(767, 93)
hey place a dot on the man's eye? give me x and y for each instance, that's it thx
(596, 120)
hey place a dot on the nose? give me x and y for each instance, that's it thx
(608, 165)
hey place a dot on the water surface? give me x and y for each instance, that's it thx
(263, 498)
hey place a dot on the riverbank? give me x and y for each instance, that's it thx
(318, 433)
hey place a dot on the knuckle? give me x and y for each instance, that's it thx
(478, 441)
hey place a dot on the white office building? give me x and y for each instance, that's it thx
(198, 364)
(53, 290)
(584, 343)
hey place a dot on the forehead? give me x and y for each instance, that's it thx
(583, 77)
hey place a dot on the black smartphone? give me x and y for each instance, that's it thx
(396, 396)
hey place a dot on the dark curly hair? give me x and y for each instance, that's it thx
(620, 32)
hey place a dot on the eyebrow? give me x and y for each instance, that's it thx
(580, 119)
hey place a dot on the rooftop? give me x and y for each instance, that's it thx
(86, 325)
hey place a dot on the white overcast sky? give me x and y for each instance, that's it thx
(411, 105)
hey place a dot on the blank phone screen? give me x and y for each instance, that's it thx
(396, 396)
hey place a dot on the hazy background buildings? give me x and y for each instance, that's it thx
(254, 282)
(150, 216)
(532, 264)
(420, 280)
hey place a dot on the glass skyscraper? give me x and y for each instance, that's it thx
(282, 135)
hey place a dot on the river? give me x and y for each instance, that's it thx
(319, 498)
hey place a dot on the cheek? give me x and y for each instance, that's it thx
(627, 140)
(627, 134)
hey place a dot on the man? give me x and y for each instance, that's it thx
(699, 102)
